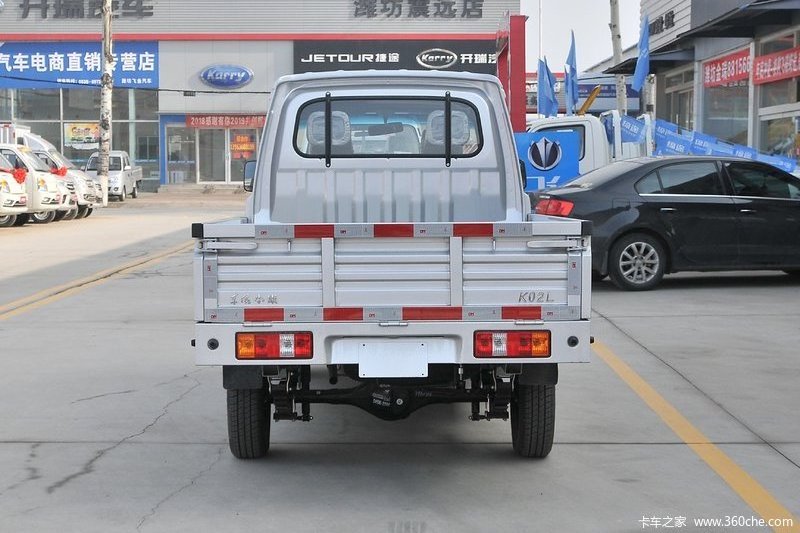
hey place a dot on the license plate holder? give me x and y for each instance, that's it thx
(393, 359)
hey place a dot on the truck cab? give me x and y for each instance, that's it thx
(124, 179)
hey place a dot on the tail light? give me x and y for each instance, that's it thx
(274, 345)
(552, 206)
(512, 344)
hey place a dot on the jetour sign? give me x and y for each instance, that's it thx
(226, 76)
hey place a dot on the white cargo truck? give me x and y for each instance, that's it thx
(388, 259)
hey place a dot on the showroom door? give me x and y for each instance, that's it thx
(213, 155)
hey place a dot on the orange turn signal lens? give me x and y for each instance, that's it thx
(245, 346)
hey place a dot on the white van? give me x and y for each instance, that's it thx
(13, 198)
(41, 186)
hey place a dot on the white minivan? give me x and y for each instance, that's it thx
(13, 198)
(44, 198)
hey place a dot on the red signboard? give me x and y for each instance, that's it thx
(225, 121)
(777, 66)
(727, 69)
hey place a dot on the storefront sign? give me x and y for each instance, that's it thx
(728, 69)
(78, 9)
(321, 56)
(226, 121)
(777, 66)
(424, 9)
(54, 64)
(226, 76)
(662, 23)
(82, 135)
(243, 146)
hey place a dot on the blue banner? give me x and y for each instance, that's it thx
(663, 127)
(721, 149)
(632, 130)
(784, 163)
(672, 144)
(73, 64)
(551, 158)
(744, 152)
(702, 143)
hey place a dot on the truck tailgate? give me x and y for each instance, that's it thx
(387, 271)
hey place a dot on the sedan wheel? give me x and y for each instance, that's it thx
(636, 262)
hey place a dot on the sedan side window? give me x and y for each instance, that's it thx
(762, 182)
(700, 178)
(649, 184)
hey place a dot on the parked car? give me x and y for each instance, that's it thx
(44, 198)
(82, 184)
(654, 216)
(13, 198)
(123, 178)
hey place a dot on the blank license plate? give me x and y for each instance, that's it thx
(393, 359)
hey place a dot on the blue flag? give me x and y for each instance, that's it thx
(571, 78)
(546, 95)
(643, 62)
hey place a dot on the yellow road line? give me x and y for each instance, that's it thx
(53, 294)
(750, 490)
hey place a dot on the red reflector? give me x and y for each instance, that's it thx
(483, 344)
(473, 230)
(521, 313)
(432, 313)
(310, 231)
(274, 345)
(551, 206)
(393, 230)
(342, 313)
(264, 315)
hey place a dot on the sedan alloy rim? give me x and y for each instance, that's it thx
(639, 262)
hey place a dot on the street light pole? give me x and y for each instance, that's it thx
(106, 86)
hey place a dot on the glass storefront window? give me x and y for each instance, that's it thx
(5, 104)
(50, 131)
(782, 91)
(146, 104)
(81, 104)
(38, 104)
(181, 152)
(779, 136)
(725, 112)
(212, 154)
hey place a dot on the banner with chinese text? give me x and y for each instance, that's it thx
(26, 65)
(727, 69)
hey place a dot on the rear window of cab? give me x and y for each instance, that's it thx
(388, 127)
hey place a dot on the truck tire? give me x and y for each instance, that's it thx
(135, 192)
(43, 217)
(6, 221)
(123, 194)
(71, 215)
(637, 262)
(22, 219)
(533, 417)
(60, 215)
(248, 423)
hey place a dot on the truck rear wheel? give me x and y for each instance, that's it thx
(6, 221)
(533, 417)
(248, 423)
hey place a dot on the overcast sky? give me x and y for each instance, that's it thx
(588, 18)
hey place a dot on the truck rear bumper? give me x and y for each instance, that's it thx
(348, 342)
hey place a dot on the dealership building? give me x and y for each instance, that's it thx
(727, 68)
(192, 77)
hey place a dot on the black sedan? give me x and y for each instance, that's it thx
(654, 216)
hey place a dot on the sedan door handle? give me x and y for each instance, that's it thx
(667, 209)
(747, 211)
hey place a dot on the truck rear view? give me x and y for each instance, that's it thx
(388, 260)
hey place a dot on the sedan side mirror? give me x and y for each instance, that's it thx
(249, 175)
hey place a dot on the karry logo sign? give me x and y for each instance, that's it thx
(437, 58)
(545, 154)
(226, 76)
